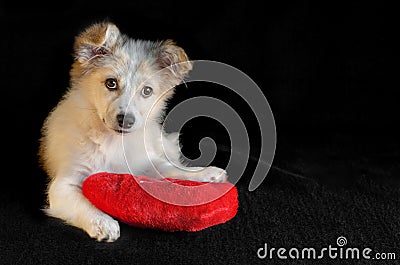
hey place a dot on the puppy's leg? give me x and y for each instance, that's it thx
(69, 204)
(164, 169)
(171, 167)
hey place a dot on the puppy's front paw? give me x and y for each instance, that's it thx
(213, 174)
(104, 228)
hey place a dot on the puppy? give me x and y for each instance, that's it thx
(110, 120)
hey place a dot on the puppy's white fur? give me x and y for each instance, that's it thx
(82, 135)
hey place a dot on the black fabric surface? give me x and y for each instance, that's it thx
(313, 194)
(328, 72)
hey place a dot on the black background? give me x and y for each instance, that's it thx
(326, 68)
(319, 64)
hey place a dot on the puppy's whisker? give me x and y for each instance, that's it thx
(85, 108)
(92, 109)
(184, 82)
(157, 120)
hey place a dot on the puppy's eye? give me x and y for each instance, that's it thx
(111, 84)
(147, 91)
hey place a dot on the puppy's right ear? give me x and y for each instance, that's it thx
(96, 41)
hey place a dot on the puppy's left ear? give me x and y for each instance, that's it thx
(174, 59)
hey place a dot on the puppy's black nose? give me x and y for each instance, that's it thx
(125, 121)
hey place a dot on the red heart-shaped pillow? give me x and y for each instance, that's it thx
(167, 204)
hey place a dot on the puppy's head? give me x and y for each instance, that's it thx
(127, 81)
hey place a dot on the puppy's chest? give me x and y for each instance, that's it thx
(119, 154)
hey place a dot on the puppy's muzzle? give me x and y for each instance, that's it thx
(125, 121)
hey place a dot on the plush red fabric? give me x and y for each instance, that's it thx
(134, 200)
